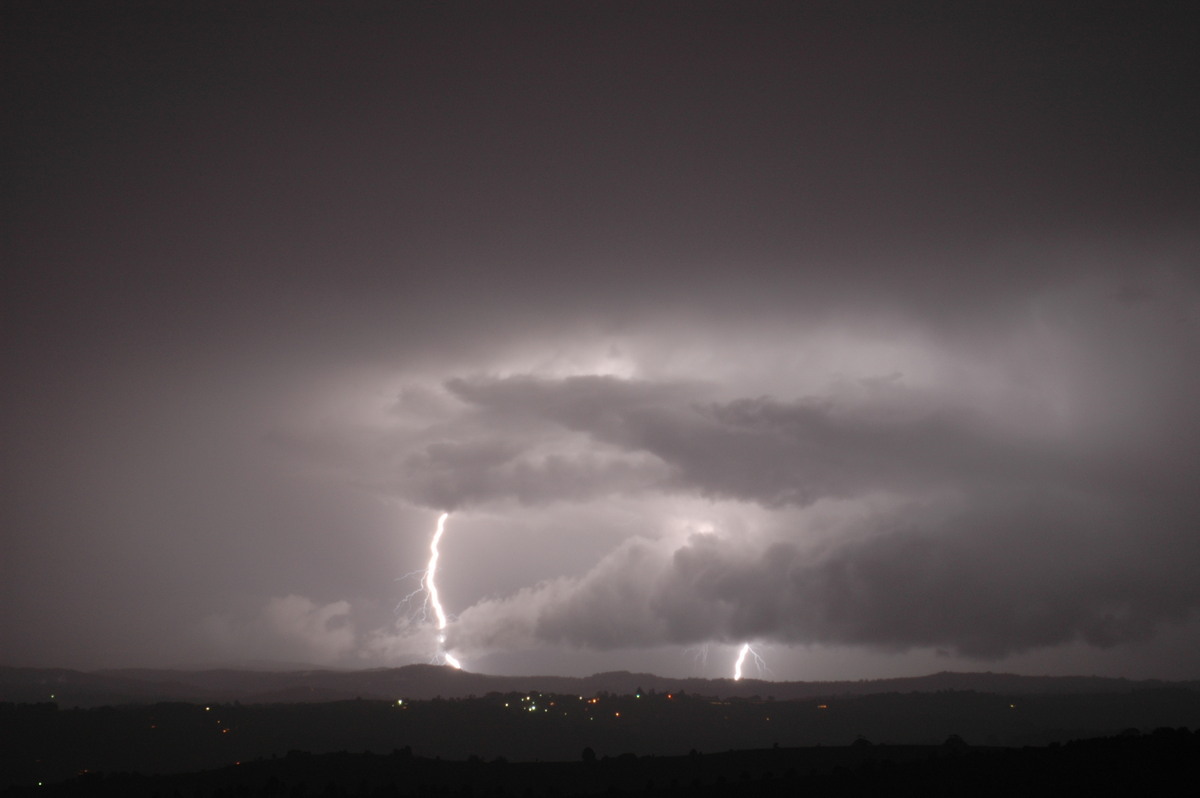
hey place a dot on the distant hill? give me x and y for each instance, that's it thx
(133, 686)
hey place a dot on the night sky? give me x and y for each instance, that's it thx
(867, 333)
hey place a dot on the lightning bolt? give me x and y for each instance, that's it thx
(737, 666)
(406, 605)
(699, 655)
(745, 651)
(429, 582)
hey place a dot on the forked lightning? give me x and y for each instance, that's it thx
(429, 582)
(745, 651)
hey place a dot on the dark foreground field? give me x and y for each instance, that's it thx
(45, 742)
(1129, 738)
(1160, 763)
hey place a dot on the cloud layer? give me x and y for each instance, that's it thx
(846, 326)
(1022, 490)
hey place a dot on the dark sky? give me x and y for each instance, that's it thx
(867, 333)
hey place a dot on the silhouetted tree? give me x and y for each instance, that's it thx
(955, 742)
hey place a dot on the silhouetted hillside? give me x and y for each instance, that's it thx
(99, 688)
(46, 743)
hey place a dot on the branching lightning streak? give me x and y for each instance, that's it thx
(430, 584)
(699, 655)
(741, 661)
(405, 604)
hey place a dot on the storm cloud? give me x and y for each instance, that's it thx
(865, 332)
(983, 582)
(1018, 514)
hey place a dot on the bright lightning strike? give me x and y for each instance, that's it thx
(430, 585)
(741, 660)
(431, 572)
(744, 652)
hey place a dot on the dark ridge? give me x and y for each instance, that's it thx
(98, 688)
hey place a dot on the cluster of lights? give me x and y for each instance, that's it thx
(530, 704)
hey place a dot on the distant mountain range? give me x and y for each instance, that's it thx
(225, 685)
